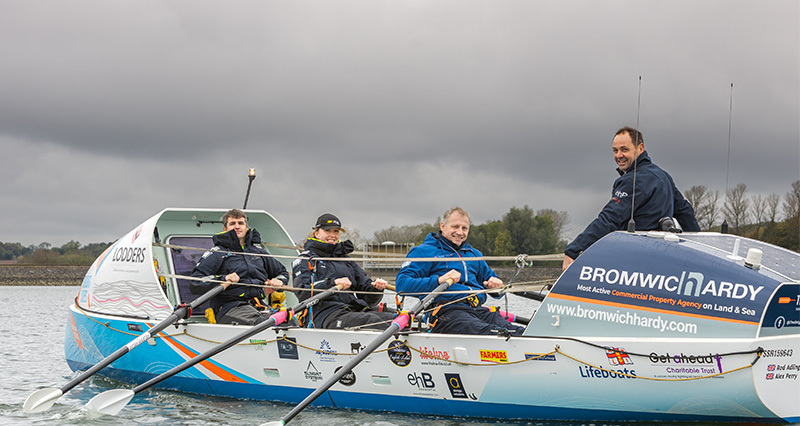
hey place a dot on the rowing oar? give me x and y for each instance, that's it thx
(112, 401)
(514, 317)
(43, 399)
(397, 324)
(531, 295)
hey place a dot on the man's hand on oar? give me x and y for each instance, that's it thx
(43, 399)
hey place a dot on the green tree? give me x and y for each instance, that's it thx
(502, 244)
(520, 224)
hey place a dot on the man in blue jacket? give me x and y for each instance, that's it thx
(248, 278)
(460, 309)
(655, 196)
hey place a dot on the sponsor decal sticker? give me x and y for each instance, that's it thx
(129, 254)
(455, 385)
(540, 357)
(433, 356)
(258, 344)
(618, 356)
(423, 382)
(288, 349)
(312, 373)
(589, 372)
(325, 352)
(399, 353)
(683, 359)
(348, 379)
(494, 356)
(355, 347)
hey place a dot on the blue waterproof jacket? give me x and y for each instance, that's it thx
(218, 262)
(307, 270)
(656, 197)
(421, 277)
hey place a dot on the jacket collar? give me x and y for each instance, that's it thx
(444, 242)
(641, 160)
(319, 247)
(229, 240)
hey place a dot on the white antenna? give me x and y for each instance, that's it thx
(724, 227)
(631, 223)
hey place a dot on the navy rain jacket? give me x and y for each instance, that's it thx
(421, 277)
(307, 270)
(217, 263)
(656, 197)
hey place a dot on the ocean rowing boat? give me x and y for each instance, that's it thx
(643, 326)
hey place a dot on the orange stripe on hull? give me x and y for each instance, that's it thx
(218, 371)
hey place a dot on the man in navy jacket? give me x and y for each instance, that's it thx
(459, 309)
(247, 277)
(656, 196)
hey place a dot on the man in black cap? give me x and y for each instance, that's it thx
(341, 310)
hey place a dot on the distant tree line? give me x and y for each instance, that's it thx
(520, 230)
(71, 253)
(768, 218)
(772, 218)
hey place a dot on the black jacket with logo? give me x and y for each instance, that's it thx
(307, 270)
(656, 197)
(226, 257)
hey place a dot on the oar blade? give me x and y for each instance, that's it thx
(41, 400)
(278, 423)
(110, 402)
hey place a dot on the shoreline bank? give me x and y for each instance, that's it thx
(26, 275)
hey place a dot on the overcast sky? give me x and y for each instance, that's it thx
(381, 112)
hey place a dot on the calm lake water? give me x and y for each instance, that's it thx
(32, 326)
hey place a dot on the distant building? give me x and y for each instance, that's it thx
(386, 249)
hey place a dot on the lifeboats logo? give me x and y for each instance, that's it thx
(687, 284)
(129, 254)
(618, 356)
(494, 356)
(589, 372)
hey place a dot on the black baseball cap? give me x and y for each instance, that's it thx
(328, 221)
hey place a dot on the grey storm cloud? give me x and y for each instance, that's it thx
(387, 112)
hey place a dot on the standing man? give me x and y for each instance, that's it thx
(656, 196)
(458, 312)
(229, 261)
